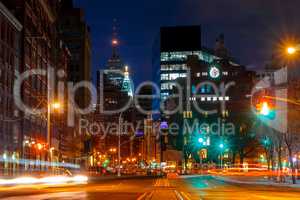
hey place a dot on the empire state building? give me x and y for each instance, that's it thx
(117, 72)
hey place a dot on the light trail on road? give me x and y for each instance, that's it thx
(184, 188)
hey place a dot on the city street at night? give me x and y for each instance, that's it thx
(187, 188)
(149, 100)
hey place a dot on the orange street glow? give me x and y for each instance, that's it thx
(79, 179)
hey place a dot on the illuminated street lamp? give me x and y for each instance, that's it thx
(221, 146)
(56, 105)
(292, 49)
(51, 106)
(39, 146)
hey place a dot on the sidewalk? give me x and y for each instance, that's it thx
(256, 181)
(114, 177)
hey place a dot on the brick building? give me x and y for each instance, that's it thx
(10, 135)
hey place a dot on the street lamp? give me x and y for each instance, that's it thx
(221, 146)
(51, 106)
(39, 146)
(292, 49)
(56, 105)
(119, 144)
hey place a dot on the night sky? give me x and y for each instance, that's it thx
(252, 28)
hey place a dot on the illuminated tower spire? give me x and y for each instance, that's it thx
(127, 82)
(115, 63)
(115, 41)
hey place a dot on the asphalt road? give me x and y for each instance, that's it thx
(191, 188)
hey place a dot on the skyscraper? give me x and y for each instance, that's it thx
(10, 126)
(38, 42)
(116, 71)
(76, 34)
(176, 44)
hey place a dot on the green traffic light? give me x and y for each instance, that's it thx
(200, 140)
(221, 146)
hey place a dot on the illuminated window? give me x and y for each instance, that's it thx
(164, 56)
(203, 89)
(193, 89)
(164, 86)
(173, 67)
(174, 76)
(208, 88)
(167, 86)
(182, 56)
(164, 77)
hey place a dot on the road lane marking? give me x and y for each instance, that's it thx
(146, 195)
(185, 195)
(142, 196)
(150, 195)
(162, 183)
(178, 195)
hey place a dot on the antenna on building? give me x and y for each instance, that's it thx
(115, 41)
(220, 49)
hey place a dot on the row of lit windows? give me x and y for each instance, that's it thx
(187, 114)
(173, 67)
(205, 89)
(172, 76)
(215, 98)
(164, 95)
(201, 74)
(167, 86)
(182, 56)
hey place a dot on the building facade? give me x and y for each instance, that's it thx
(10, 124)
(202, 75)
(75, 32)
(41, 47)
(38, 42)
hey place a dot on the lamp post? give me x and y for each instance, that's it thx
(221, 146)
(55, 106)
(119, 145)
(291, 50)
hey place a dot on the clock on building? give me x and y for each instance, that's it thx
(214, 72)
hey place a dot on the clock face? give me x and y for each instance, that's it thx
(214, 72)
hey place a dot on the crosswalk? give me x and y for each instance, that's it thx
(163, 189)
(162, 182)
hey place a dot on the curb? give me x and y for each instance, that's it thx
(255, 183)
(101, 178)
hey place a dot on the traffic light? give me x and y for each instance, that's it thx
(201, 140)
(221, 146)
(265, 109)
